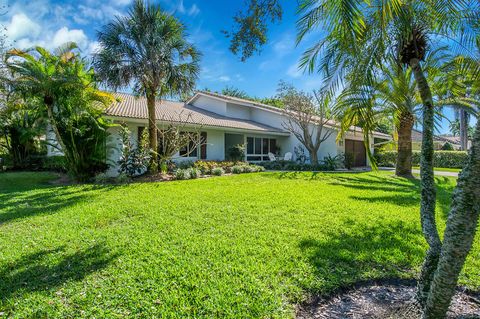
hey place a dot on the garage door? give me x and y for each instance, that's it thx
(357, 149)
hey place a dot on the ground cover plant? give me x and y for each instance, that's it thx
(219, 247)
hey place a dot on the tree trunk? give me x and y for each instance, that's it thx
(404, 156)
(463, 130)
(313, 157)
(459, 234)
(152, 132)
(53, 124)
(428, 190)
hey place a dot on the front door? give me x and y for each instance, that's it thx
(358, 152)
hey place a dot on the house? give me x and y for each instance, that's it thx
(223, 122)
(438, 141)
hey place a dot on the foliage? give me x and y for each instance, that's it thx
(348, 160)
(455, 129)
(194, 172)
(292, 166)
(182, 174)
(148, 48)
(101, 178)
(447, 147)
(331, 163)
(447, 159)
(300, 154)
(237, 152)
(66, 89)
(21, 124)
(218, 171)
(316, 223)
(54, 163)
(250, 27)
(238, 169)
(185, 164)
(134, 160)
(206, 167)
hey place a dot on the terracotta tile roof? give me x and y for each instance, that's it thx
(130, 106)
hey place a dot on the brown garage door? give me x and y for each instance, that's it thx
(357, 149)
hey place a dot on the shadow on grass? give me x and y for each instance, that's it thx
(24, 199)
(363, 252)
(48, 269)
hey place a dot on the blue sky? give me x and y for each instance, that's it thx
(49, 23)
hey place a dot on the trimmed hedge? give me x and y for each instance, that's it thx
(447, 159)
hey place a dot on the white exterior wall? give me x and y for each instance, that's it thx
(212, 105)
(238, 111)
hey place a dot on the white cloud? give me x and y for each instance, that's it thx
(21, 26)
(194, 10)
(64, 35)
(294, 71)
(180, 7)
(224, 78)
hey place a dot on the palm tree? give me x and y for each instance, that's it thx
(147, 49)
(360, 35)
(393, 95)
(49, 76)
(66, 89)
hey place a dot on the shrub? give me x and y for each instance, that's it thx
(218, 171)
(122, 179)
(182, 174)
(248, 169)
(206, 167)
(101, 178)
(447, 159)
(194, 172)
(236, 152)
(447, 147)
(348, 160)
(133, 161)
(238, 169)
(331, 163)
(257, 168)
(54, 163)
(185, 164)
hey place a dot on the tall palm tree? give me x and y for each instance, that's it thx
(359, 35)
(149, 50)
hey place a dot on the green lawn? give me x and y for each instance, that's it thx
(244, 246)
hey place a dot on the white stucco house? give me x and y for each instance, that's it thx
(224, 121)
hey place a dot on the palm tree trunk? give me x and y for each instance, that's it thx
(463, 130)
(152, 132)
(459, 234)
(53, 124)
(404, 155)
(428, 190)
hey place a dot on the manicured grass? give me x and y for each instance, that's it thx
(244, 246)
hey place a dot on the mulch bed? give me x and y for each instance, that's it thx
(383, 300)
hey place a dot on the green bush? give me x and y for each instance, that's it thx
(238, 169)
(447, 159)
(54, 163)
(194, 172)
(182, 174)
(292, 166)
(218, 171)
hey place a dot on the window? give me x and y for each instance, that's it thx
(258, 148)
(203, 145)
(189, 150)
